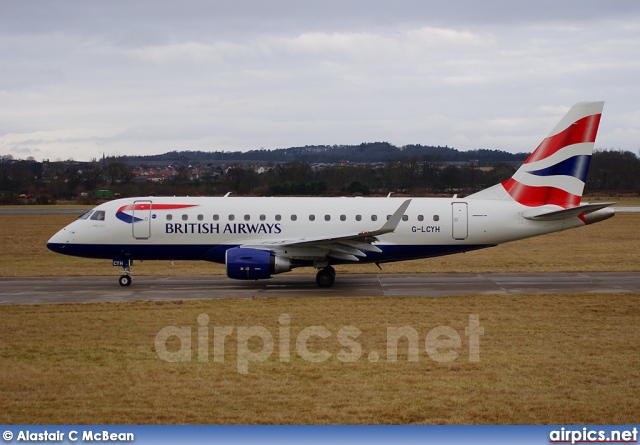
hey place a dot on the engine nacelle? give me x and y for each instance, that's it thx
(254, 264)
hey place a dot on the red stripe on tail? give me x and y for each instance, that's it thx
(537, 196)
(581, 131)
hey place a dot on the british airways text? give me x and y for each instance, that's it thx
(204, 228)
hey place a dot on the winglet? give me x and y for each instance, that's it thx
(392, 223)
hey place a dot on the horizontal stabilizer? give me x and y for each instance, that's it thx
(547, 214)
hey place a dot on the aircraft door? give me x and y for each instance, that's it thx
(142, 219)
(460, 221)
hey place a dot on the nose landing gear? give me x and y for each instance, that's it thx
(125, 279)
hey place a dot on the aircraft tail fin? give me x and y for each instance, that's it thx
(555, 173)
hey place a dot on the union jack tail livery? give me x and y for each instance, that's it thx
(556, 171)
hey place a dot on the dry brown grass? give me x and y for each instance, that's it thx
(543, 359)
(608, 246)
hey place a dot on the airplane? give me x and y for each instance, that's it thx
(258, 237)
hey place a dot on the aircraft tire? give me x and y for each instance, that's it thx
(326, 277)
(124, 280)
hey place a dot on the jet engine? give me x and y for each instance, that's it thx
(254, 264)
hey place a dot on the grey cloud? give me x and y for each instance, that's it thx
(152, 75)
(25, 150)
(147, 20)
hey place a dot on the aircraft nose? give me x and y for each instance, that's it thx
(58, 242)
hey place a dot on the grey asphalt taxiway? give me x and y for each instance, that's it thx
(35, 290)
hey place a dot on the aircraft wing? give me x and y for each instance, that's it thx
(349, 247)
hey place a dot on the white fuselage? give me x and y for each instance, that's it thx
(166, 229)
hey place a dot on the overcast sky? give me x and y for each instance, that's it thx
(83, 78)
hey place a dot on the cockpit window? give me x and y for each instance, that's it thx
(86, 215)
(98, 215)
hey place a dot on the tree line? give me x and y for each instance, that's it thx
(368, 152)
(611, 171)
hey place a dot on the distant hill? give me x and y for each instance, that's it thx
(364, 153)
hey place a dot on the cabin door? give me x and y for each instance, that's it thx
(460, 221)
(142, 219)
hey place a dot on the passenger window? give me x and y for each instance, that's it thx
(200, 217)
(169, 217)
(247, 217)
(278, 217)
(232, 217)
(374, 217)
(86, 215)
(405, 218)
(216, 217)
(358, 217)
(343, 217)
(98, 215)
(262, 217)
(327, 217)
(312, 217)
(420, 217)
(436, 217)
(185, 217)
(294, 217)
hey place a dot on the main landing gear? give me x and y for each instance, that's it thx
(326, 277)
(125, 279)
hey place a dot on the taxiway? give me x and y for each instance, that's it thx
(36, 290)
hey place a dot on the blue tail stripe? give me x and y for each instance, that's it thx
(577, 166)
